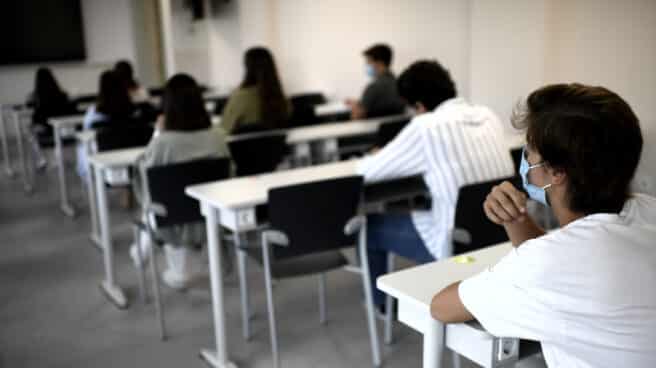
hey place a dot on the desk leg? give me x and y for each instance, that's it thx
(61, 174)
(218, 358)
(109, 288)
(433, 344)
(24, 165)
(93, 207)
(302, 155)
(5, 145)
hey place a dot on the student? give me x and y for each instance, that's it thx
(380, 97)
(113, 106)
(184, 133)
(451, 143)
(137, 93)
(585, 291)
(48, 100)
(260, 98)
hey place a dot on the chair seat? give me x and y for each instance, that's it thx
(302, 265)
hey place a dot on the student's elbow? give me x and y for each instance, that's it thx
(447, 307)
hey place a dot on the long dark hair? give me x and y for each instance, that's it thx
(113, 98)
(46, 89)
(124, 70)
(184, 109)
(261, 72)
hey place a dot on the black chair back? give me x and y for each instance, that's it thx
(516, 154)
(471, 217)
(388, 130)
(258, 153)
(166, 185)
(219, 104)
(303, 108)
(119, 135)
(313, 215)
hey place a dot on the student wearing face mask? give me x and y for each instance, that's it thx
(450, 143)
(586, 290)
(381, 96)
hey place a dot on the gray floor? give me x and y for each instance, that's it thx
(52, 313)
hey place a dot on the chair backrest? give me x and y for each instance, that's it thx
(388, 130)
(313, 215)
(259, 153)
(303, 108)
(516, 154)
(166, 186)
(471, 218)
(219, 104)
(119, 135)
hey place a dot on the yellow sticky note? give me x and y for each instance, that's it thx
(464, 259)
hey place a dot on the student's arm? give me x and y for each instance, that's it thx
(402, 157)
(447, 307)
(506, 206)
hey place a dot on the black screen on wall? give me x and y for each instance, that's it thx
(34, 31)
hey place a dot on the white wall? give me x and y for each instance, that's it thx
(109, 35)
(319, 44)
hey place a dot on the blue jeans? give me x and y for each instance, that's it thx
(394, 233)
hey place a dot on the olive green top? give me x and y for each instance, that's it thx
(243, 107)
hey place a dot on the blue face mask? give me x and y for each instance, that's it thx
(369, 69)
(534, 192)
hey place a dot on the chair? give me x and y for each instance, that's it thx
(167, 205)
(219, 104)
(389, 130)
(303, 108)
(119, 135)
(310, 224)
(472, 229)
(258, 153)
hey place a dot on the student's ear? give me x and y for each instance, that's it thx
(420, 108)
(558, 176)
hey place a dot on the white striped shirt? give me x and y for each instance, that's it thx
(454, 145)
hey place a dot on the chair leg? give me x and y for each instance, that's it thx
(322, 298)
(270, 307)
(389, 305)
(243, 288)
(140, 268)
(366, 281)
(159, 308)
(456, 359)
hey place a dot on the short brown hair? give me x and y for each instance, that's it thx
(591, 134)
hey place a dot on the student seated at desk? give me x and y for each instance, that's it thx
(451, 143)
(137, 93)
(381, 96)
(183, 133)
(585, 291)
(48, 100)
(113, 106)
(260, 98)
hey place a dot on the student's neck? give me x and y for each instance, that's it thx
(564, 215)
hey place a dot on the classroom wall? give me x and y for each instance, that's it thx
(319, 44)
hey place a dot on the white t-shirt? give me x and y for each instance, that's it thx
(587, 292)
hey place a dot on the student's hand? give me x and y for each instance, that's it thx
(358, 111)
(350, 102)
(505, 204)
(159, 124)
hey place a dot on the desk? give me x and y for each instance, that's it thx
(414, 300)
(64, 126)
(101, 163)
(231, 203)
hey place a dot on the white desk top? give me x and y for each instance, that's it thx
(70, 120)
(116, 158)
(419, 284)
(329, 108)
(337, 130)
(85, 135)
(253, 190)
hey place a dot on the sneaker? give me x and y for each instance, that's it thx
(174, 280)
